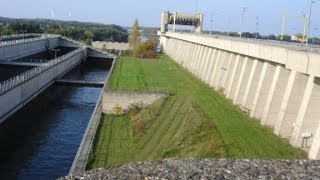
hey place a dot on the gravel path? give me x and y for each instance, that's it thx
(208, 169)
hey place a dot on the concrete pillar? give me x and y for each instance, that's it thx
(210, 64)
(243, 81)
(214, 64)
(185, 53)
(308, 115)
(236, 78)
(199, 61)
(258, 90)
(203, 63)
(234, 67)
(250, 78)
(216, 69)
(228, 72)
(280, 89)
(193, 50)
(270, 95)
(266, 84)
(182, 50)
(219, 70)
(190, 54)
(314, 152)
(194, 58)
(224, 72)
(290, 104)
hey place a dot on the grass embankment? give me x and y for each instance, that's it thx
(194, 121)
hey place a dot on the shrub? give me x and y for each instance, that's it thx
(146, 49)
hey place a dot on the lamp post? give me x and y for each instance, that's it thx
(23, 31)
(257, 26)
(211, 21)
(243, 11)
(55, 52)
(309, 20)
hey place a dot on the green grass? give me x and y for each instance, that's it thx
(194, 121)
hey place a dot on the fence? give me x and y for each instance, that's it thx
(18, 41)
(291, 45)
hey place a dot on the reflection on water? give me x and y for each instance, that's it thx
(41, 140)
(48, 148)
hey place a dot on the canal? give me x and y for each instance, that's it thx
(41, 140)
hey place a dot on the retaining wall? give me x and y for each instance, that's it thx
(19, 48)
(18, 91)
(278, 83)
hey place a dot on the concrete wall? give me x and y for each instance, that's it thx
(13, 51)
(17, 97)
(274, 83)
(124, 99)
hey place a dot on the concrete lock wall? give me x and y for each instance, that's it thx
(13, 51)
(17, 97)
(278, 85)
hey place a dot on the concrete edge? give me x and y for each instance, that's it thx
(82, 156)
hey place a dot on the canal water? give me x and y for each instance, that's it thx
(41, 140)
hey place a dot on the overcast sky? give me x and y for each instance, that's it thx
(226, 14)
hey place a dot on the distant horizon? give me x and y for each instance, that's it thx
(221, 15)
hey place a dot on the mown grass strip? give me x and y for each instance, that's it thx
(195, 121)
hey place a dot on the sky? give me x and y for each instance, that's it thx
(225, 14)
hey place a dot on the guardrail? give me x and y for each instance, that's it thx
(19, 41)
(10, 36)
(17, 80)
(291, 45)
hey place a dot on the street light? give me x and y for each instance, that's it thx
(211, 21)
(243, 11)
(23, 31)
(257, 24)
(55, 52)
(309, 20)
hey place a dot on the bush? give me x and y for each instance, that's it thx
(146, 49)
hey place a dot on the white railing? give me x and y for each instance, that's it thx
(17, 80)
(10, 36)
(291, 45)
(19, 41)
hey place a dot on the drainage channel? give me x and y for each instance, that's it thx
(41, 140)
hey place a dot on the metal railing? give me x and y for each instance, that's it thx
(290, 45)
(12, 36)
(17, 80)
(19, 41)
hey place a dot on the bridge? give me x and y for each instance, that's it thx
(20, 89)
(275, 82)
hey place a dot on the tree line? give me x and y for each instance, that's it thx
(83, 31)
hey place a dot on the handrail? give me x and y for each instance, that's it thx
(19, 41)
(17, 80)
(284, 44)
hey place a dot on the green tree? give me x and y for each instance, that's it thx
(134, 36)
(89, 41)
